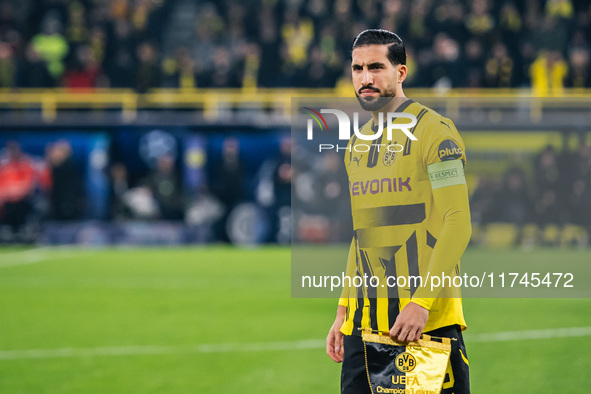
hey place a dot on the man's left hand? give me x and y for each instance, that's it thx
(409, 323)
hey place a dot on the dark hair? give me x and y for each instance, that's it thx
(396, 51)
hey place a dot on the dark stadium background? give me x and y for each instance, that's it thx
(128, 127)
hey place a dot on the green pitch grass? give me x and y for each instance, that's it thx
(137, 320)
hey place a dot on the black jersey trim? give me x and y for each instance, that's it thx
(374, 153)
(393, 300)
(351, 151)
(408, 140)
(431, 240)
(404, 105)
(390, 215)
(371, 291)
(360, 301)
(358, 312)
(412, 254)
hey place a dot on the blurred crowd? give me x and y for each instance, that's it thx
(143, 44)
(230, 194)
(558, 191)
(53, 187)
(32, 189)
(257, 204)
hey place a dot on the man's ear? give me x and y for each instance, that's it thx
(402, 71)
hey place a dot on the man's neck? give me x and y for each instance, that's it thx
(391, 107)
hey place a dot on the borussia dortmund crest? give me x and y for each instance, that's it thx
(389, 157)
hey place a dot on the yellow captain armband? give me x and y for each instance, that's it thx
(446, 173)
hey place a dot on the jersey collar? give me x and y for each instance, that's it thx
(401, 108)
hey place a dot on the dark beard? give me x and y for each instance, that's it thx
(375, 103)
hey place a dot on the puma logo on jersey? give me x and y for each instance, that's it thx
(356, 160)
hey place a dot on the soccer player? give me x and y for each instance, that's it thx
(410, 216)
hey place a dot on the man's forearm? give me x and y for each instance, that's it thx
(452, 203)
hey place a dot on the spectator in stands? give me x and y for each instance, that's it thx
(179, 71)
(234, 37)
(297, 33)
(578, 186)
(274, 191)
(66, 198)
(225, 73)
(228, 182)
(208, 28)
(482, 202)
(548, 72)
(579, 74)
(317, 73)
(579, 203)
(7, 15)
(76, 31)
(548, 208)
(148, 71)
(282, 174)
(511, 28)
(547, 205)
(547, 175)
(562, 9)
(120, 60)
(474, 61)
(20, 177)
(269, 42)
(252, 61)
(166, 187)
(7, 65)
(499, 68)
(550, 34)
(97, 44)
(332, 198)
(51, 46)
(448, 17)
(445, 68)
(415, 26)
(83, 71)
(32, 71)
(513, 203)
(479, 21)
(581, 168)
(118, 188)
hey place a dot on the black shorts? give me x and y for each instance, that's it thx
(457, 377)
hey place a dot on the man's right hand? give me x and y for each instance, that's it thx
(334, 341)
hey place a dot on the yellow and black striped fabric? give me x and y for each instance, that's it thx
(396, 224)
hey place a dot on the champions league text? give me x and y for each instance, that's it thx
(438, 282)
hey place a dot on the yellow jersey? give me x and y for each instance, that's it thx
(396, 222)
